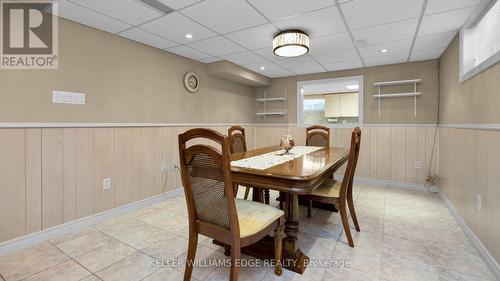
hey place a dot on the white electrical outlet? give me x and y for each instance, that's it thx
(163, 167)
(417, 164)
(68, 97)
(478, 201)
(106, 183)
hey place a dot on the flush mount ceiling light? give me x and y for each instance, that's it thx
(189, 36)
(384, 51)
(352, 87)
(291, 43)
(262, 67)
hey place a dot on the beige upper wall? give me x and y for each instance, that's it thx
(124, 81)
(476, 100)
(394, 111)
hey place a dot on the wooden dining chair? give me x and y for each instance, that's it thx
(340, 193)
(212, 208)
(318, 136)
(237, 143)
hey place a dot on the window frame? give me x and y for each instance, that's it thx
(300, 100)
(486, 6)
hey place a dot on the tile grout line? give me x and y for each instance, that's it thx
(349, 31)
(419, 23)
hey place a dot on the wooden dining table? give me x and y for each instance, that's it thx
(293, 178)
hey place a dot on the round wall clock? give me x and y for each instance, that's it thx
(191, 82)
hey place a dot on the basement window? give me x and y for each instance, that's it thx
(480, 42)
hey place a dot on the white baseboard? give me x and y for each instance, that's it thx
(389, 183)
(476, 243)
(53, 232)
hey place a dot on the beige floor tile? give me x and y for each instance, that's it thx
(347, 274)
(66, 271)
(323, 230)
(359, 258)
(132, 268)
(316, 247)
(105, 255)
(246, 273)
(141, 235)
(446, 275)
(165, 274)
(171, 247)
(171, 223)
(81, 242)
(206, 258)
(364, 239)
(394, 268)
(27, 262)
(91, 278)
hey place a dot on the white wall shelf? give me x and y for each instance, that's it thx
(271, 113)
(413, 94)
(264, 100)
(271, 99)
(395, 95)
(400, 82)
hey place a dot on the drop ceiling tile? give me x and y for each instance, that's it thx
(129, 11)
(387, 59)
(88, 17)
(225, 16)
(437, 6)
(217, 46)
(385, 33)
(336, 66)
(368, 13)
(267, 53)
(276, 10)
(443, 22)
(178, 4)
(394, 47)
(336, 56)
(434, 41)
(316, 24)
(188, 53)
(278, 74)
(255, 37)
(244, 58)
(268, 67)
(301, 65)
(175, 26)
(148, 38)
(210, 60)
(329, 43)
(426, 54)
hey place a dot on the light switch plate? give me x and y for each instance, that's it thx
(417, 164)
(68, 97)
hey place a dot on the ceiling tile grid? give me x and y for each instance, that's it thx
(350, 35)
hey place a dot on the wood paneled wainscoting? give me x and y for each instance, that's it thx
(388, 152)
(469, 161)
(51, 176)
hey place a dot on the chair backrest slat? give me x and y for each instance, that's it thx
(318, 136)
(206, 177)
(347, 181)
(237, 139)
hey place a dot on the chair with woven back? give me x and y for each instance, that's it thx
(212, 207)
(237, 142)
(340, 193)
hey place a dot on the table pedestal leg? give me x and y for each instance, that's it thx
(294, 259)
